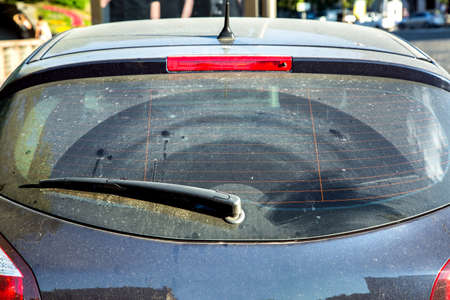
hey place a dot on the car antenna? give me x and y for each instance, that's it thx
(226, 35)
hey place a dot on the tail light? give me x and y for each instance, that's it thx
(228, 63)
(16, 279)
(441, 287)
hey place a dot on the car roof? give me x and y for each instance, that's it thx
(248, 31)
(142, 47)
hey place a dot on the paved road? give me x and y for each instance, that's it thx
(435, 42)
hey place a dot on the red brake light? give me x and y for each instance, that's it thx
(16, 279)
(441, 287)
(11, 285)
(229, 63)
(11, 288)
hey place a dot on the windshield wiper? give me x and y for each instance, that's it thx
(206, 201)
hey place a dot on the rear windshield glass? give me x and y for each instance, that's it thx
(309, 155)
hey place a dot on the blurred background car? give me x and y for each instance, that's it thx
(371, 19)
(423, 20)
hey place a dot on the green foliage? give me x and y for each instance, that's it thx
(58, 22)
(80, 4)
(15, 1)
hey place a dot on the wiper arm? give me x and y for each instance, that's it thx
(206, 201)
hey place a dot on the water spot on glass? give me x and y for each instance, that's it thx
(100, 152)
(338, 134)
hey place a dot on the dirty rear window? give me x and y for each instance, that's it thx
(309, 155)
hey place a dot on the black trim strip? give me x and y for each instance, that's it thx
(158, 66)
(87, 70)
(369, 68)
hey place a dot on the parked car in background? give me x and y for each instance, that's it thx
(289, 159)
(423, 19)
(371, 19)
(377, 20)
(339, 14)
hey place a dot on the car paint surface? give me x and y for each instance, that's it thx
(248, 31)
(66, 256)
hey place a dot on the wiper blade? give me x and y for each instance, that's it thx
(227, 206)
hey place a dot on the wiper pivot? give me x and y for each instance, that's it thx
(202, 200)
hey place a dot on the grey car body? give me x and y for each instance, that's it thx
(77, 257)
